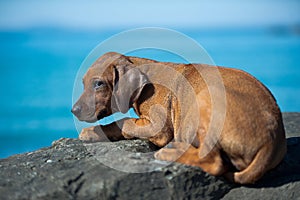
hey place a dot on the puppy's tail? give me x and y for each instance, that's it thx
(267, 158)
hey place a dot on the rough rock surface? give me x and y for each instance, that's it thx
(70, 169)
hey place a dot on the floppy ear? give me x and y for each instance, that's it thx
(128, 85)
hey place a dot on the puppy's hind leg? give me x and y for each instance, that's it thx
(261, 163)
(212, 163)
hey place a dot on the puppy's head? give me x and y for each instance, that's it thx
(111, 84)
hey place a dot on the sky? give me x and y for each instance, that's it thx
(95, 14)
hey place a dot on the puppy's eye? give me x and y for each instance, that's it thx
(98, 84)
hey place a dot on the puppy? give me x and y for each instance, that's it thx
(220, 119)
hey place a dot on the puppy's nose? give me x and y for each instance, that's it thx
(76, 110)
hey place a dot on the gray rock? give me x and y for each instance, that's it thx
(292, 124)
(70, 169)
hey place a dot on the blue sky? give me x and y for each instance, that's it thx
(95, 14)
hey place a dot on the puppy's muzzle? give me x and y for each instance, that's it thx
(76, 110)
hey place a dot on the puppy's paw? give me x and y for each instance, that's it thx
(89, 135)
(179, 152)
(168, 154)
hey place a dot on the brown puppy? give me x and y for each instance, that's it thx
(230, 119)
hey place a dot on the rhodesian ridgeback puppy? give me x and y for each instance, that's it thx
(220, 119)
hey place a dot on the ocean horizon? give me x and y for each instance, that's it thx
(39, 68)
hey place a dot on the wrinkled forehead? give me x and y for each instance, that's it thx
(106, 60)
(99, 72)
(102, 68)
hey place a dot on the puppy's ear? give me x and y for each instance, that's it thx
(129, 82)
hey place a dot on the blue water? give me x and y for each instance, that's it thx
(39, 66)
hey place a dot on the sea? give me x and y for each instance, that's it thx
(39, 68)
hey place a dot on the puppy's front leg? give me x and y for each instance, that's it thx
(101, 133)
(145, 129)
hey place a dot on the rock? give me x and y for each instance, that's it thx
(292, 124)
(70, 169)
